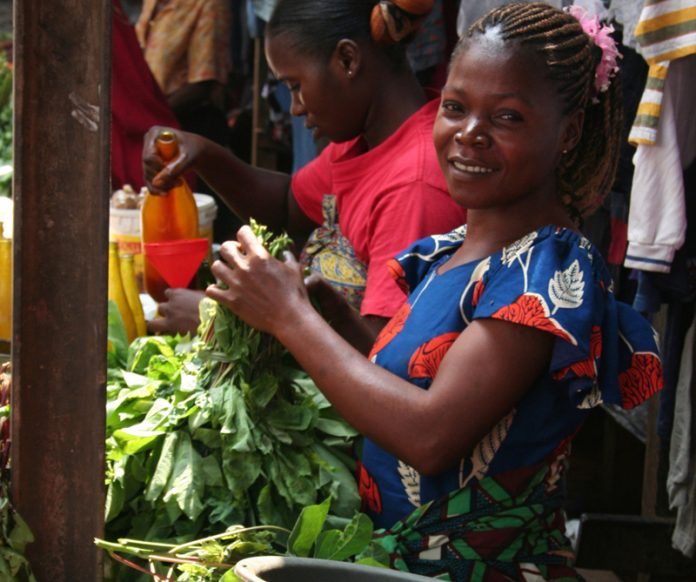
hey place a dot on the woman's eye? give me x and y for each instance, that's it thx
(293, 87)
(510, 116)
(451, 106)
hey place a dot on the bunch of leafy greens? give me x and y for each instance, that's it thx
(14, 532)
(218, 430)
(5, 126)
(213, 558)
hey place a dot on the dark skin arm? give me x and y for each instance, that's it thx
(179, 314)
(250, 192)
(473, 390)
(359, 331)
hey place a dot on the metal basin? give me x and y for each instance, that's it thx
(279, 569)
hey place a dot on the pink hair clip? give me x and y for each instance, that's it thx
(600, 34)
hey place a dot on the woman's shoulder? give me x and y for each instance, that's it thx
(551, 247)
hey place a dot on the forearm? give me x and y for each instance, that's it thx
(248, 191)
(380, 405)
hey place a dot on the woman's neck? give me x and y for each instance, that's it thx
(397, 97)
(489, 230)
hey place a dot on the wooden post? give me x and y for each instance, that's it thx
(256, 102)
(61, 188)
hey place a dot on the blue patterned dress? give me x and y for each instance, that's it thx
(497, 514)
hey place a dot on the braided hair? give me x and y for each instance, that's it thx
(316, 26)
(587, 172)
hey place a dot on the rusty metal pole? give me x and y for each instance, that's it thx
(61, 185)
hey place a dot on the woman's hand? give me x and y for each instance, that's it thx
(179, 314)
(268, 294)
(159, 177)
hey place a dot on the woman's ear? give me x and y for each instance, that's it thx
(347, 58)
(573, 130)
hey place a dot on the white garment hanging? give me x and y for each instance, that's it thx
(627, 14)
(681, 479)
(657, 214)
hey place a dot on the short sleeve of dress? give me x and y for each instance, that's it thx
(554, 280)
(412, 265)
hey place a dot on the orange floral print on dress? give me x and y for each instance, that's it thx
(586, 368)
(425, 361)
(397, 272)
(368, 491)
(530, 309)
(641, 380)
(395, 325)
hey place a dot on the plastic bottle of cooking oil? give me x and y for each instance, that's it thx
(117, 293)
(130, 287)
(168, 217)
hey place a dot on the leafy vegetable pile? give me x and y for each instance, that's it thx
(5, 126)
(14, 532)
(220, 430)
(212, 558)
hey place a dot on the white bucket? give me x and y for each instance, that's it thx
(124, 228)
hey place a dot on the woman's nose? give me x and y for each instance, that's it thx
(297, 107)
(473, 133)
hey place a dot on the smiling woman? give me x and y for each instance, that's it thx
(376, 188)
(511, 334)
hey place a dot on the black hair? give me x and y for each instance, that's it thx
(316, 26)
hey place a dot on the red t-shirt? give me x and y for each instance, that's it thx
(387, 197)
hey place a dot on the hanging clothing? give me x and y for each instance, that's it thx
(657, 215)
(186, 42)
(627, 14)
(137, 103)
(681, 479)
(666, 32)
(499, 511)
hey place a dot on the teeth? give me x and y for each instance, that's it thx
(471, 169)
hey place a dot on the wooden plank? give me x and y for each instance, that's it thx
(61, 188)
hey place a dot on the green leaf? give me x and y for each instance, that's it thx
(116, 334)
(186, 481)
(134, 440)
(287, 416)
(160, 478)
(326, 544)
(307, 528)
(240, 469)
(344, 489)
(114, 501)
(237, 422)
(210, 469)
(264, 388)
(21, 535)
(337, 428)
(351, 541)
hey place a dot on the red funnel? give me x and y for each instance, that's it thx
(178, 260)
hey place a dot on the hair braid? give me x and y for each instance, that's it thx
(586, 173)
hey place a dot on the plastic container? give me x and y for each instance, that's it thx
(124, 228)
(280, 569)
(5, 289)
